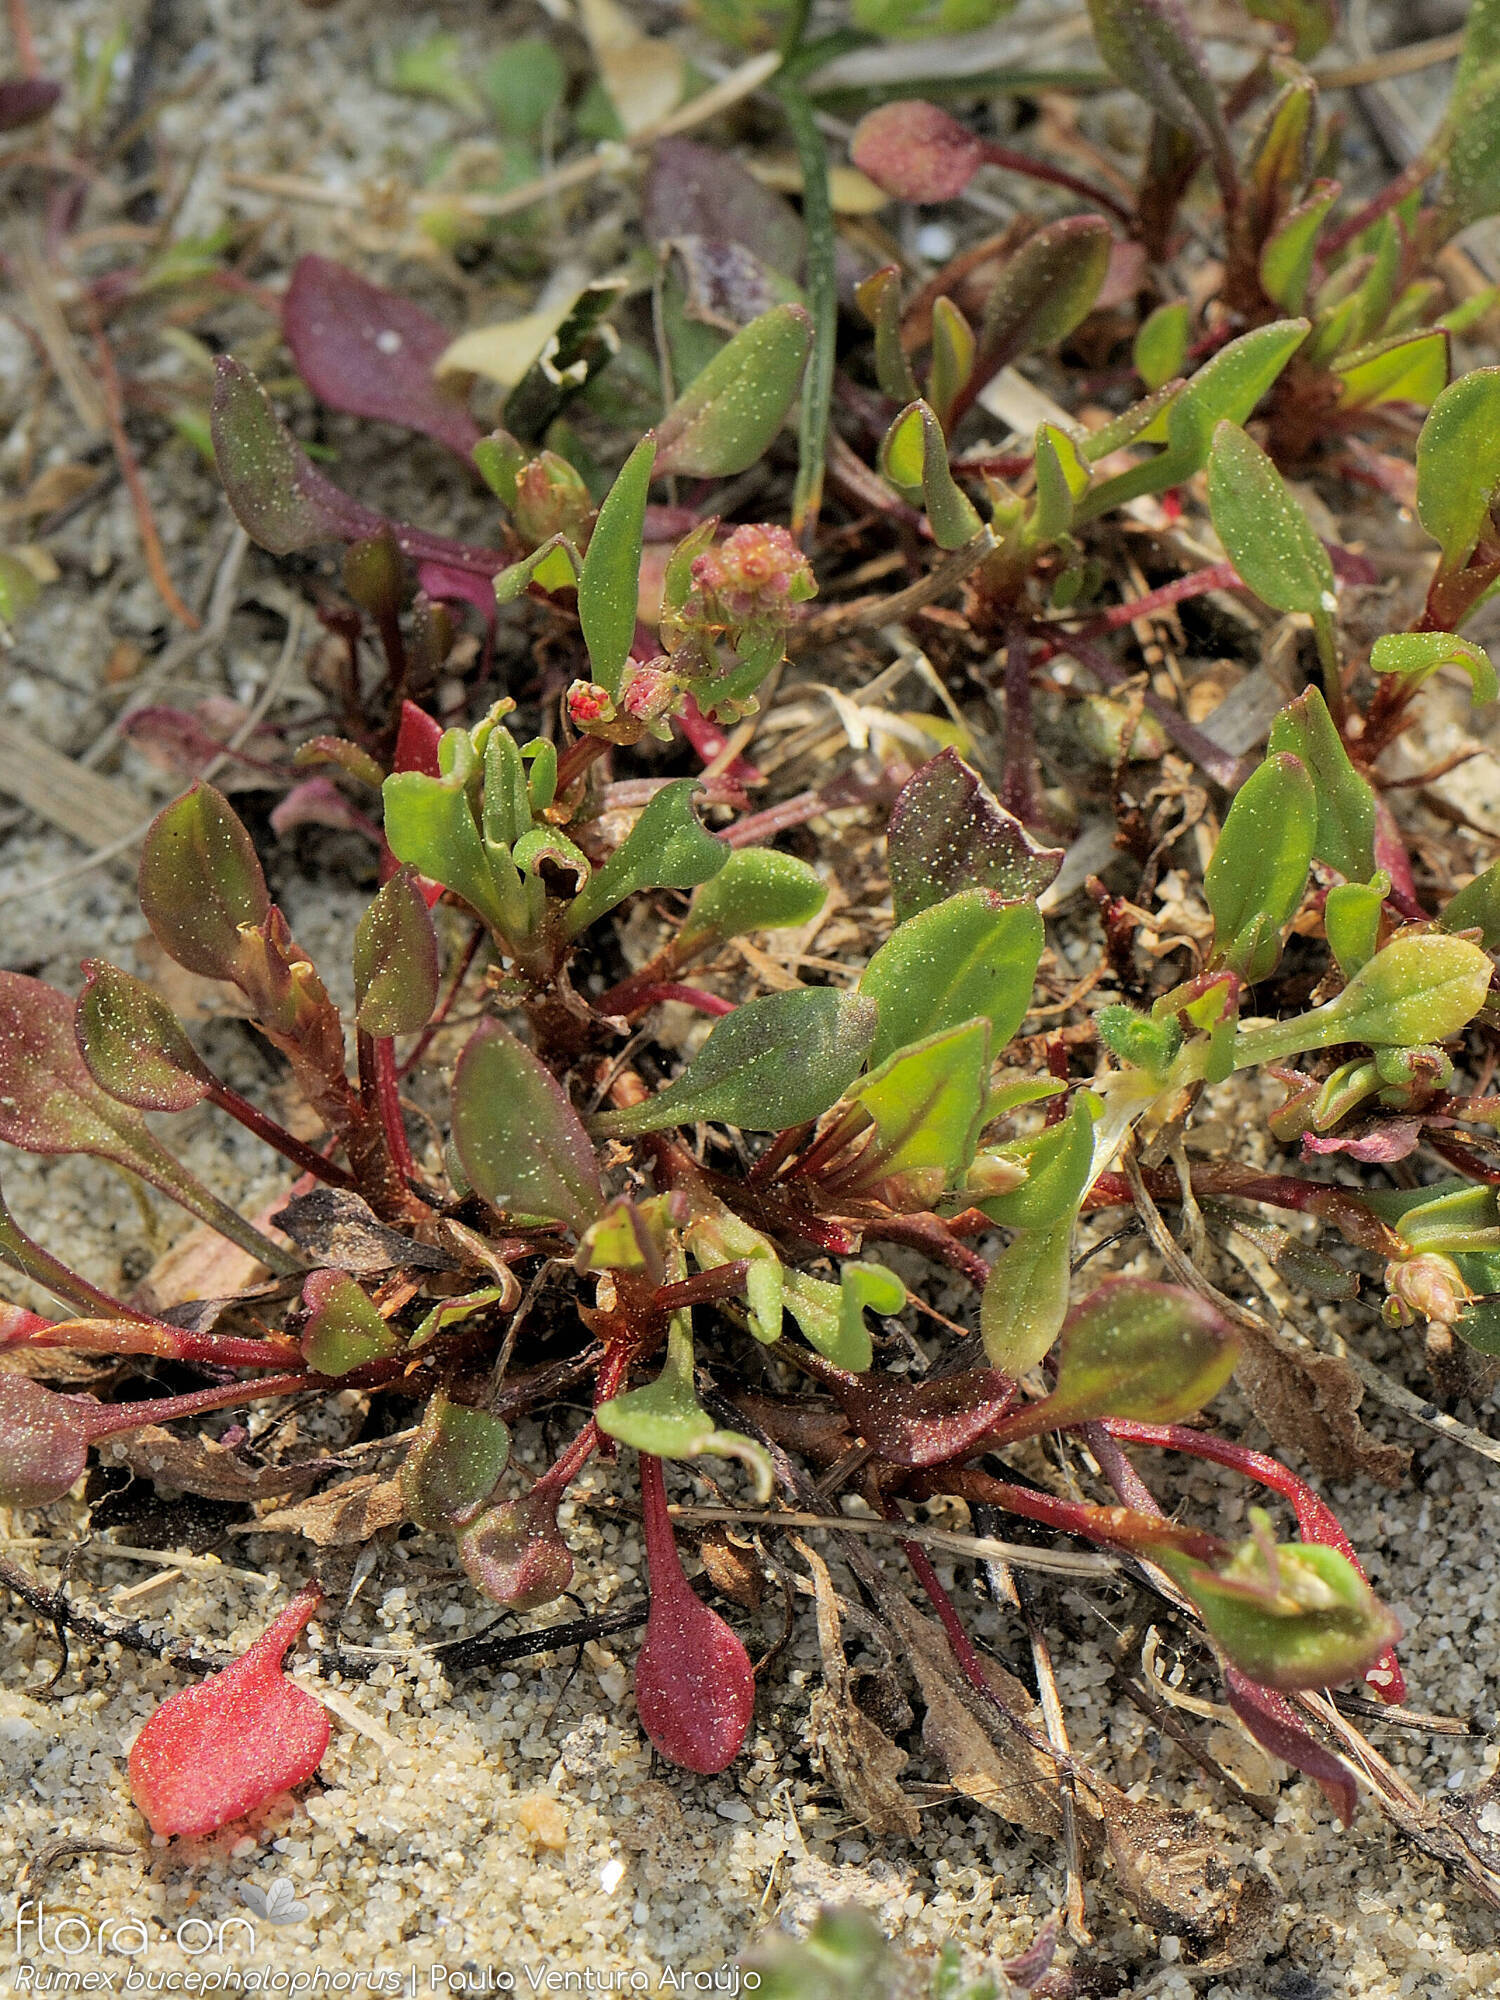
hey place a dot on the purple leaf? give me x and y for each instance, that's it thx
(25, 99)
(948, 833)
(698, 190)
(363, 349)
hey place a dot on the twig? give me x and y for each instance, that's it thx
(865, 612)
(1020, 1555)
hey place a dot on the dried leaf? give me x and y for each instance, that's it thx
(986, 1761)
(341, 1230)
(352, 1511)
(371, 352)
(1311, 1401)
(200, 1465)
(645, 75)
(857, 1757)
(1172, 1870)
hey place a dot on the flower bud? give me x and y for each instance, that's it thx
(1427, 1286)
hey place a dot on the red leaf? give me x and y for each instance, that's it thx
(25, 99)
(216, 1751)
(694, 1687)
(363, 349)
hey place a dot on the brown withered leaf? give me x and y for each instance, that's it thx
(1172, 1873)
(56, 1365)
(352, 1511)
(1312, 1401)
(1251, 1934)
(201, 1265)
(202, 1466)
(856, 1756)
(988, 1762)
(809, 1426)
(344, 1232)
(732, 1568)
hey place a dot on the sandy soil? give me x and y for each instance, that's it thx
(512, 1823)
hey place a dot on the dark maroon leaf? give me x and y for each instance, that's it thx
(948, 832)
(1276, 1726)
(698, 190)
(25, 99)
(926, 1423)
(363, 349)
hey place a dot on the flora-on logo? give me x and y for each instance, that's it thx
(278, 1904)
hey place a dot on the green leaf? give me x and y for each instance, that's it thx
(1045, 290)
(201, 882)
(666, 849)
(1297, 1616)
(666, 1420)
(1458, 464)
(504, 799)
(343, 1329)
(925, 1104)
(1255, 880)
(1057, 1163)
(522, 1145)
(728, 415)
(611, 567)
(1412, 369)
(498, 459)
(914, 458)
(429, 822)
(832, 1317)
(1151, 1353)
(453, 1464)
(1265, 533)
(1025, 1299)
(1477, 907)
(552, 566)
(777, 1061)
(971, 956)
(1289, 253)
(1279, 157)
(1418, 989)
(1415, 655)
(1346, 802)
(757, 889)
(1311, 23)
(1161, 345)
(396, 960)
(1150, 46)
(1351, 921)
(952, 358)
(1062, 478)
(1138, 1040)
(947, 832)
(276, 494)
(1474, 118)
(1227, 387)
(134, 1045)
(879, 299)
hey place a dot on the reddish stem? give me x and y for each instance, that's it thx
(576, 759)
(133, 1335)
(1316, 1522)
(930, 1233)
(389, 1098)
(1018, 786)
(724, 1281)
(1224, 768)
(775, 819)
(1114, 1527)
(1390, 196)
(103, 1420)
(658, 991)
(24, 39)
(277, 1137)
(1040, 170)
(1218, 576)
